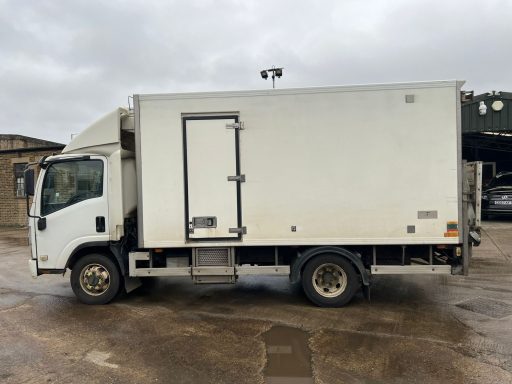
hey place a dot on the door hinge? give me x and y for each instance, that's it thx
(239, 125)
(240, 178)
(242, 230)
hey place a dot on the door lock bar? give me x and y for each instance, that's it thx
(240, 178)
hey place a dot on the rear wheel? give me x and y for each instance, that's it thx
(329, 280)
(95, 279)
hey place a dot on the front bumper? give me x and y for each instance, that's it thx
(496, 204)
(32, 264)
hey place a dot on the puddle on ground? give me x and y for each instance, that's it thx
(9, 300)
(288, 356)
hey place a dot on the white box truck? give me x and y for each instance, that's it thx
(328, 186)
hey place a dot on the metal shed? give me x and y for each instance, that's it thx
(487, 130)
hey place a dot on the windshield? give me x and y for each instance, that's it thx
(70, 182)
(501, 181)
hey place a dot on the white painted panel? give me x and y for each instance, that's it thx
(344, 165)
(162, 198)
(211, 158)
(103, 132)
(73, 225)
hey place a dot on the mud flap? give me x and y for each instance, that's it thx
(366, 292)
(131, 283)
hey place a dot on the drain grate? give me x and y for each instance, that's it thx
(489, 307)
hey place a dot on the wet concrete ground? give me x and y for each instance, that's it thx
(417, 329)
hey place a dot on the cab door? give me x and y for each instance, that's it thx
(73, 205)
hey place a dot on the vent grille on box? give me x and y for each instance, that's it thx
(212, 256)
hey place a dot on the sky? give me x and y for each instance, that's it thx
(66, 63)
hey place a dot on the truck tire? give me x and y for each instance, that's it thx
(329, 280)
(95, 279)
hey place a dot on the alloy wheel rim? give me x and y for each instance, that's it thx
(329, 280)
(94, 279)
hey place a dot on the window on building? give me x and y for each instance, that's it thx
(19, 179)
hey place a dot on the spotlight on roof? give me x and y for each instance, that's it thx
(276, 72)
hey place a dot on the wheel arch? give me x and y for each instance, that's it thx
(303, 257)
(104, 248)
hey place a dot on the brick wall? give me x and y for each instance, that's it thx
(12, 208)
(8, 141)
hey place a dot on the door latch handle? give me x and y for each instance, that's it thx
(242, 230)
(239, 178)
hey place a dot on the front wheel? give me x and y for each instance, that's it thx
(95, 279)
(329, 280)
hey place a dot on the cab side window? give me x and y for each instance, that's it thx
(71, 182)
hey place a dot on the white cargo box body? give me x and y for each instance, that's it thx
(376, 164)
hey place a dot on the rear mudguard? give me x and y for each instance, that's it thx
(304, 257)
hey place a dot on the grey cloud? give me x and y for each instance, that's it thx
(65, 63)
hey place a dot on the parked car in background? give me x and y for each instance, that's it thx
(497, 196)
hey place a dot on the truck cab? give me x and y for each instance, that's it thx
(83, 199)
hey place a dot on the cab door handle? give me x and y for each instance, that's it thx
(100, 224)
(41, 223)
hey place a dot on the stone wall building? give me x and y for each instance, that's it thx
(15, 152)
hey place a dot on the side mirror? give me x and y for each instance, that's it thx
(41, 223)
(29, 181)
(28, 175)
